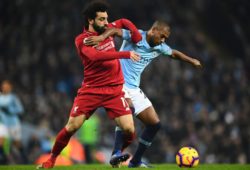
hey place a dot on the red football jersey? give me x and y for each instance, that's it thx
(101, 63)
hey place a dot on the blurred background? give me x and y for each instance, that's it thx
(208, 109)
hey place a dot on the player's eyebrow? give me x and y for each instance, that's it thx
(103, 18)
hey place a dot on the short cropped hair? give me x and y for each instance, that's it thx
(161, 24)
(89, 12)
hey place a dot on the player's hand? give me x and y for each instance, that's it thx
(134, 57)
(93, 40)
(196, 63)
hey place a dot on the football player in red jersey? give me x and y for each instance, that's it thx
(103, 81)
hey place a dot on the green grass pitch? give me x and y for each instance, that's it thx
(156, 167)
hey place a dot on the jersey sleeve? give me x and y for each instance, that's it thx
(166, 50)
(95, 55)
(127, 24)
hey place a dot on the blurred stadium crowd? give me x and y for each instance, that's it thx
(208, 109)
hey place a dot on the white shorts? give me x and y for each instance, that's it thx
(139, 99)
(13, 125)
(15, 132)
(3, 131)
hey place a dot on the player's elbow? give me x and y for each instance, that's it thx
(175, 54)
(125, 20)
(93, 56)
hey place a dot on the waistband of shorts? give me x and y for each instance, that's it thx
(106, 86)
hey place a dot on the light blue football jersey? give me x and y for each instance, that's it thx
(132, 70)
(12, 103)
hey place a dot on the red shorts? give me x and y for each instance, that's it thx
(110, 97)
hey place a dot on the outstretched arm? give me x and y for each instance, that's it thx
(181, 56)
(127, 24)
(115, 30)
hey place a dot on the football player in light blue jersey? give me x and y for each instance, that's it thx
(151, 46)
(132, 71)
(10, 109)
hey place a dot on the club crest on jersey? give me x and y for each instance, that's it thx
(76, 108)
(106, 46)
(84, 40)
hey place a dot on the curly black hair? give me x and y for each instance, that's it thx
(89, 11)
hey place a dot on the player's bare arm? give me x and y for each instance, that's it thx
(94, 40)
(181, 56)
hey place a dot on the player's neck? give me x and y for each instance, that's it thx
(91, 29)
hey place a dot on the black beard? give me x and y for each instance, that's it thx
(151, 42)
(99, 29)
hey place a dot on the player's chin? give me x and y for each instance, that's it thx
(105, 27)
(102, 30)
(156, 43)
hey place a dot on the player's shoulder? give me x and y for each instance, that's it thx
(80, 38)
(163, 48)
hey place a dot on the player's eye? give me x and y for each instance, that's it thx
(164, 36)
(103, 19)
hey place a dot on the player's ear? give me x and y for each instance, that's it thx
(151, 31)
(91, 21)
(154, 29)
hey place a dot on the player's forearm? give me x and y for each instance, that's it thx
(95, 55)
(111, 32)
(135, 34)
(180, 56)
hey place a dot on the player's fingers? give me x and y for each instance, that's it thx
(136, 58)
(87, 41)
(91, 42)
(132, 58)
(199, 65)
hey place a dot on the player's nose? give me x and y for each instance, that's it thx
(106, 22)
